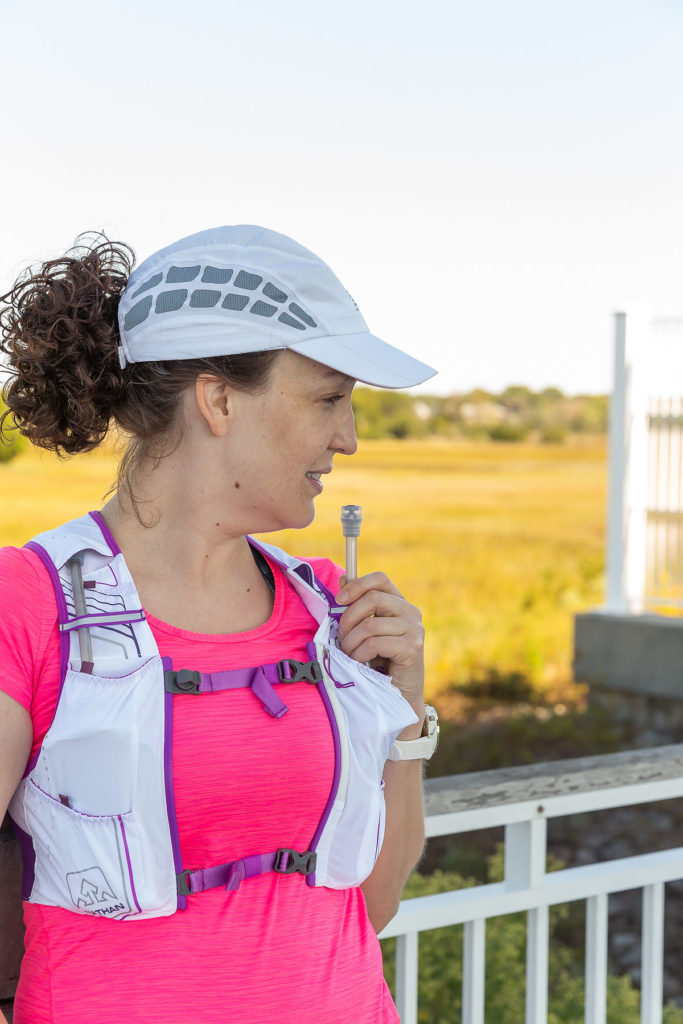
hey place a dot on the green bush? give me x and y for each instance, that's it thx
(508, 432)
(386, 413)
(554, 434)
(440, 967)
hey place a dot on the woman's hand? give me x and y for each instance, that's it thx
(379, 626)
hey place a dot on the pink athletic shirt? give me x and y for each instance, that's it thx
(275, 950)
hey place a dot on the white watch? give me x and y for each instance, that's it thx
(424, 746)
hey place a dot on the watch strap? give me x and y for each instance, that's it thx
(410, 750)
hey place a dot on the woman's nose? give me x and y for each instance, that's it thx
(344, 440)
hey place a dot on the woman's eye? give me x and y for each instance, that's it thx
(333, 399)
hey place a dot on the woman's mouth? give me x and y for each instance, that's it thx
(315, 481)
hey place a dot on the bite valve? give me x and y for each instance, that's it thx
(351, 518)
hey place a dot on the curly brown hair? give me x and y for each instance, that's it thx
(59, 330)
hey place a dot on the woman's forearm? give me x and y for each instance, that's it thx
(403, 836)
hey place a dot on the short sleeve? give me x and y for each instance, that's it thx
(28, 614)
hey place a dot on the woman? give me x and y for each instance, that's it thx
(194, 739)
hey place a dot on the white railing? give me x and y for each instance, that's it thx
(645, 514)
(523, 799)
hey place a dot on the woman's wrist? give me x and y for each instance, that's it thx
(414, 731)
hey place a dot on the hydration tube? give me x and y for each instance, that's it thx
(74, 565)
(351, 518)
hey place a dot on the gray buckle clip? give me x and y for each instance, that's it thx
(304, 863)
(300, 671)
(183, 883)
(184, 681)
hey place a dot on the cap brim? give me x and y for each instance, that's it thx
(367, 359)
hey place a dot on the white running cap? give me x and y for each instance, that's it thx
(247, 289)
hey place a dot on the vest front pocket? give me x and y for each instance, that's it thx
(107, 734)
(375, 713)
(82, 861)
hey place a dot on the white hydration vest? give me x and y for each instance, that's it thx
(95, 811)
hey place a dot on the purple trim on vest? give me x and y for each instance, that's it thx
(305, 572)
(106, 533)
(312, 653)
(64, 640)
(130, 866)
(28, 860)
(168, 780)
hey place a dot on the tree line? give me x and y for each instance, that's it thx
(515, 414)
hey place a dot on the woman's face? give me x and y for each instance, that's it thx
(281, 443)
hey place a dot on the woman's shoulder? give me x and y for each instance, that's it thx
(28, 621)
(25, 585)
(21, 567)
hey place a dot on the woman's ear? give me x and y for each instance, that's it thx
(214, 402)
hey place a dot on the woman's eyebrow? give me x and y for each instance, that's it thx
(338, 375)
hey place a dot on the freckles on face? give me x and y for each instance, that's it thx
(291, 429)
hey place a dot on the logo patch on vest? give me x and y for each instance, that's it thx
(92, 894)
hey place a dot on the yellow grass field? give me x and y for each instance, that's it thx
(498, 544)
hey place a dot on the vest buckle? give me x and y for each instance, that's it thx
(183, 883)
(287, 862)
(292, 671)
(184, 681)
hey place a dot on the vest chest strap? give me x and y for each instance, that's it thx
(260, 680)
(283, 861)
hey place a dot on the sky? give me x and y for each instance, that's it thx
(490, 180)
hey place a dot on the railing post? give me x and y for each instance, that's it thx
(626, 514)
(596, 959)
(651, 992)
(525, 854)
(537, 966)
(525, 850)
(406, 977)
(473, 971)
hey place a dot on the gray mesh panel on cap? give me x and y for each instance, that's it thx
(202, 298)
(232, 301)
(178, 275)
(137, 313)
(214, 275)
(244, 280)
(168, 301)
(263, 308)
(285, 318)
(271, 292)
(149, 283)
(298, 311)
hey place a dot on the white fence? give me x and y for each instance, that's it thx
(522, 799)
(645, 516)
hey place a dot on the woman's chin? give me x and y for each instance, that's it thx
(296, 521)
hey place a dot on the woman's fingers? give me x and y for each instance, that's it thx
(379, 622)
(354, 589)
(376, 603)
(394, 639)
